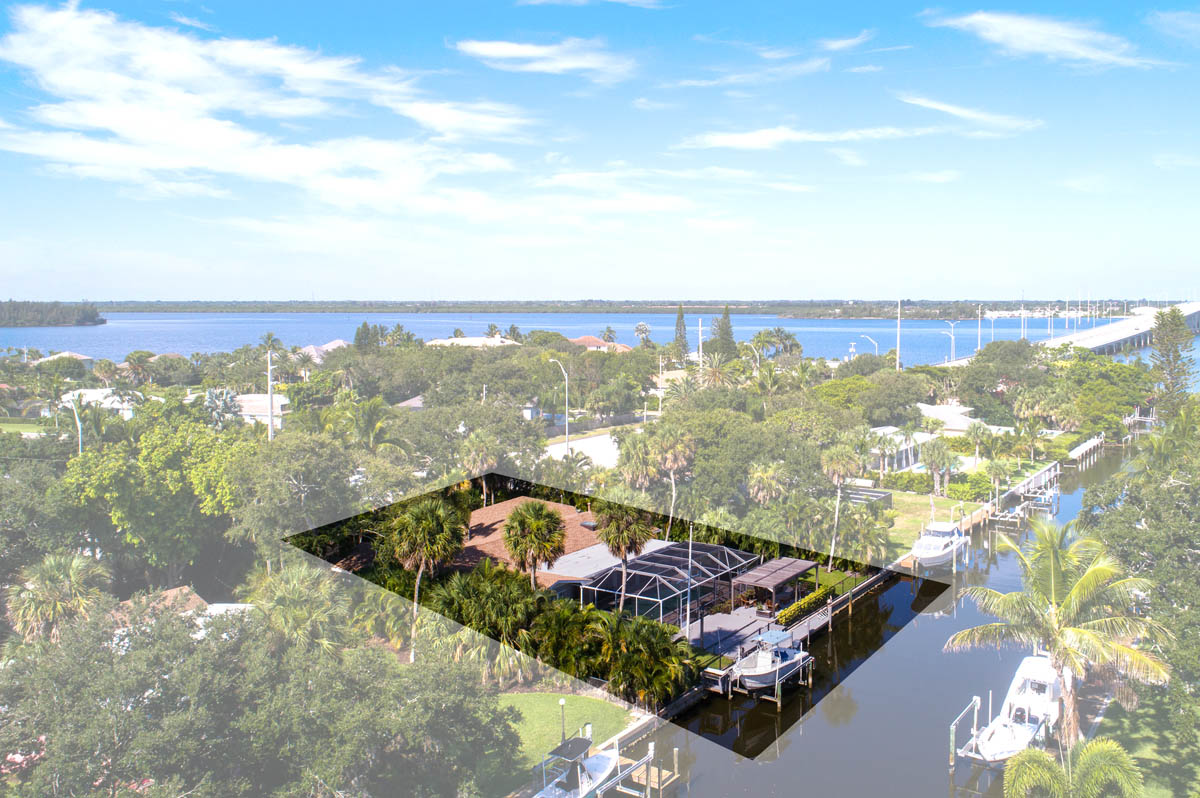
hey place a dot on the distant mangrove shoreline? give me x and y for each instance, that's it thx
(15, 313)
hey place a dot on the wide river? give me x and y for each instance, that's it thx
(921, 342)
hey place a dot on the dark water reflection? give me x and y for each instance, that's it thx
(884, 730)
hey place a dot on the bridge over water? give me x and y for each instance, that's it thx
(1135, 331)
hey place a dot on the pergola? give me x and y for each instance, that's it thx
(658, 582)
(773, 575)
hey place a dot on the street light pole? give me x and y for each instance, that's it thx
(270, 398)
(566, 404)
(562, 710)
(872, 340)
(943, 332)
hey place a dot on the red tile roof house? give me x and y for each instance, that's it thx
(594, 344)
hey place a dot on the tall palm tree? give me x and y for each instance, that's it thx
(839, 462)
(978, 433)
(997, 471)
(1029, 433)
(625, 531)
(941, 462)
(106, 371)
(481, 456)
(765, 482)
(1099, 767)
(642, 331)
(888, 448)
(304, 364)
(47, 594)
(270, 343)
(1075, 605)
(421, 536)
(637, 462)
(534, 533)
(137, 366)
(674, 452)
(369, 423)
(608, 335)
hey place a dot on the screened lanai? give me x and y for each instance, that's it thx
(657, 584)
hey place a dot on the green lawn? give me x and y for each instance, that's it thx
(541, 724)
(912, 515)
(1169, 769)
(20, 426)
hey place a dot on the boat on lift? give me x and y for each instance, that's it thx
(571, 771)
(1031, 709)
(941, 542)
(773, 658)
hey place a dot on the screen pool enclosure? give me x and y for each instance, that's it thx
(657, 582)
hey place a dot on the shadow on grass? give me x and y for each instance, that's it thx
(1146, 734)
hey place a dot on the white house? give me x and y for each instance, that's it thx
(475, 341)
(87, 361)
(123, 402)
(318, 353)
(253, 407)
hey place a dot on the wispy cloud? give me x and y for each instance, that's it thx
(1170, 160)
(847, 156)
(768, 52)
(588, 57)
(1014, 124)
(837, 45)
(1058, 40)
(1180, 24)
(865, 68)
(192, 22)
(772, 137)
(942, 176)
(756, 77)
(646, 104)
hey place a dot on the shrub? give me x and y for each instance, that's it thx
(908, 481)
(795, 612)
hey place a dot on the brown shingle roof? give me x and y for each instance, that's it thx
(487, 534)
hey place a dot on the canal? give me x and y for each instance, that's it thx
(877, 720)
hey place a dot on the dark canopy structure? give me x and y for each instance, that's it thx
(773, 575)
(657, 583)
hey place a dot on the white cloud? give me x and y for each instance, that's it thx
(1021, 34)
(770, 138)
(1180, 24)
(866, 68)
(942, 176)
(767, 52)
(1085, 184)
(646, 104)
(758, 76)
(836, 45)
(191, 22)
(169, 114)
(847, 156)
(985, 118)
(1168, 160)
(586, 56)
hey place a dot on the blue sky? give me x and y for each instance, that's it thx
(634, 149)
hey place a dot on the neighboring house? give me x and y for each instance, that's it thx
(167, 356)
(415, 403)
(594, 344)
(84, 359)
(908, 452)
(318, 353)
(252, 407)
(123, 402)
(955, 419)
(476, 341)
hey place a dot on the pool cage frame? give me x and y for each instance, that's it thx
(658, 581)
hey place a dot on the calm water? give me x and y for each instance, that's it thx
(921, 342)
(884, 730)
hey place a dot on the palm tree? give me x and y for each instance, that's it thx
(767, 383)
(480, 456)
(47, 594)
(269, 343)
(106, 371)
(303, 605)
(560, 636)
(534, 533)
(625, 531)
(716, 372)
(765, 482)
(1075, 605)
(637, 462)
(369, 423)
(222, 407)
(1100, 767)
(888, 447)
(839, 462)
(674, 452)
(940, 461)
(137, 366)
(421, 536)
(304, 364)
(642, 331)
(681, 389)
(997, 471)
(608, 335)
(492, 330)
(978, 434)
(1029, 433)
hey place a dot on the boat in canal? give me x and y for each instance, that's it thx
(940, 543)
(1030, 709)
(569, 771)
(773, 658)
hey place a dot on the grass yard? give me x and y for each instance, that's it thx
(541, 724)
(20, 426)
(912, 514)
(1169, 769)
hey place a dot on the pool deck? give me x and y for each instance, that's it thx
(724, 632)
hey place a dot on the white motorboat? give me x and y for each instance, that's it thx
(1030, 708)
(575, 774)
(940, 543)
(773, 658)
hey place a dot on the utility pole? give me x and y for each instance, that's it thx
(566, 404)
(700, 342)
(270, 398)
(898, 334)
(979, 331)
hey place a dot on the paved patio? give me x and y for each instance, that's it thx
(724, 632)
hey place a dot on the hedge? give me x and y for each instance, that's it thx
(794, 612)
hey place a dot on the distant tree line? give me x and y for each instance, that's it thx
(49, 314)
